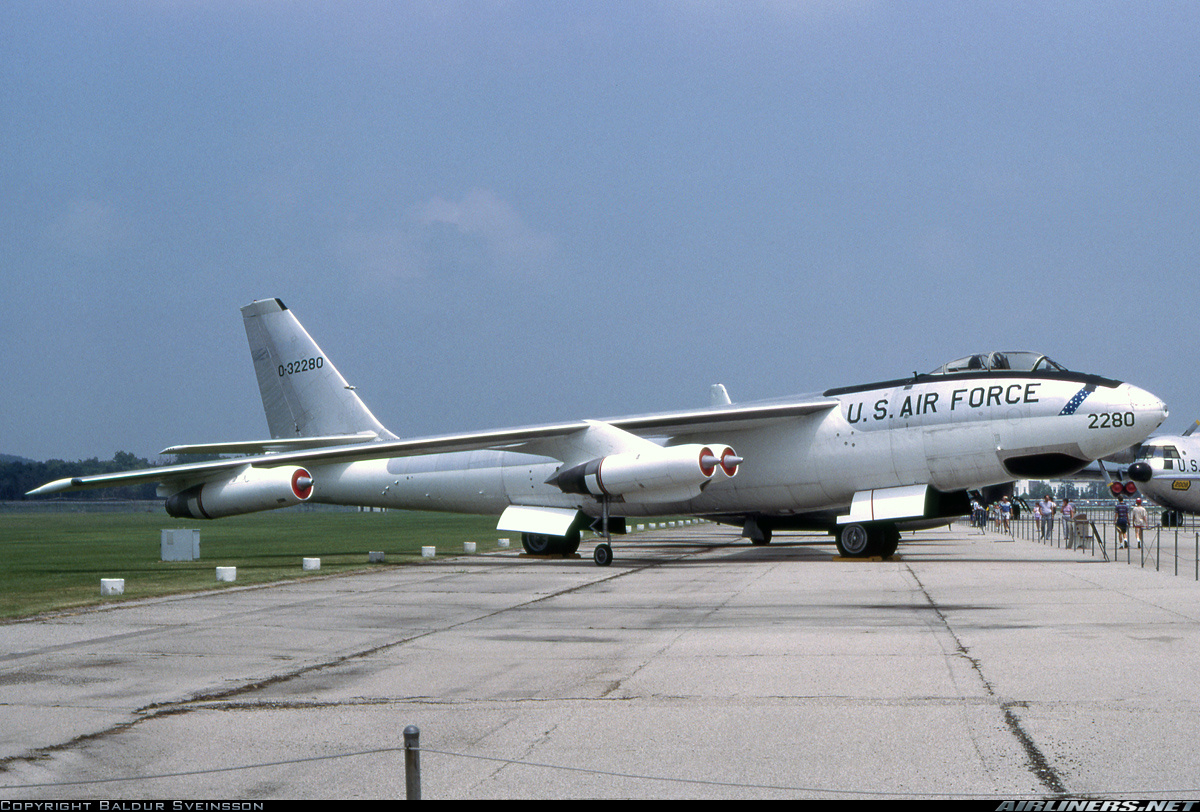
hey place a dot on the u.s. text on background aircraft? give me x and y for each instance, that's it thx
(859, 462)
(1167, 469)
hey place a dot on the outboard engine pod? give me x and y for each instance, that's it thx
(251, 490)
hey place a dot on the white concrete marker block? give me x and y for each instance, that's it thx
(375, 557)
(468, 547)
(226, 573)
(112, 586)
(503, 543)
(428, 552)
(311, 564)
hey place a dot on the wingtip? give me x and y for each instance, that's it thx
(56, 486)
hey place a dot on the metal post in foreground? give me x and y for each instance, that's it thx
(412, 763)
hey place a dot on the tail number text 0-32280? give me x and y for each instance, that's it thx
(303, 365)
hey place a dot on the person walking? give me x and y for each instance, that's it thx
(1140, 519)
(1048, 509)
(1121, 520)
(1068, 523)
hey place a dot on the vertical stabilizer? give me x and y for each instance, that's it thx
(302, 392)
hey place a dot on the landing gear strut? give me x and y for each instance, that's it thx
(603, 554)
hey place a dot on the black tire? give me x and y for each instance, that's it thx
(889, 540)
(602, 555)
(764, 538)
(540, 543)
(570, 544)
(854, 541)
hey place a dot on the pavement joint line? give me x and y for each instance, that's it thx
(1039, 765)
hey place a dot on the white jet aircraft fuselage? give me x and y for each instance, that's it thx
(856, 461)
(1168, 471)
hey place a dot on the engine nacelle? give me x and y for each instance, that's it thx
(658, 475)
(250, 491)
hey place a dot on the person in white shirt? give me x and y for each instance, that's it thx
(1048, 509)
(1139, 519)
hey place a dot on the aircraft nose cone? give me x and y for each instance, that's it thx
(1150, 409)
(1140, 472)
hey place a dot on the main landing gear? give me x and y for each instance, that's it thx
(757, 535)
(866, 540)
(542, 544)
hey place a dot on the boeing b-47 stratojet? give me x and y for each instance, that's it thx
(856, 461)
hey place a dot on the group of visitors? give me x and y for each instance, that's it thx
(1123, 516)
(1045, 509)
(1043, 514)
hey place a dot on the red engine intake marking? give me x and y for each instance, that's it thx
(729, 462)
(302, 484)
(707, 462)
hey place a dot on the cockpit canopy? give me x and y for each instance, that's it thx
(987, 362)
(1169, 454)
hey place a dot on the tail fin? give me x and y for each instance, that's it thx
(302, 392)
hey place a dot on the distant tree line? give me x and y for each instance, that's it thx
(18, 477)
(1036, 489)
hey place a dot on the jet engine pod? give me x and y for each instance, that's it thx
(251, 490)
(724, 458)
(659, 474)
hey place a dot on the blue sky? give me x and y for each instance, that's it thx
(498, 213)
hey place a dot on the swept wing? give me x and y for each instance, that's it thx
(572, 442)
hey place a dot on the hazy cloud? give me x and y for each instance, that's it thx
(88, 228)
(479, 235)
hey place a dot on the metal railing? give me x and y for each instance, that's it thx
(1094, 532)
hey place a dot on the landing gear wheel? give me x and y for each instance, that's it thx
(539, 543)
(602, 555)
(570, 544)
(889, 540)
(542, 544)
(763, 537)
(853, 541)
(755, 532)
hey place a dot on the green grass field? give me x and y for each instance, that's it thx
(56, 560)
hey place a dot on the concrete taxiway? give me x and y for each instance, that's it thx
(695, 666)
